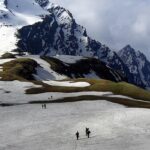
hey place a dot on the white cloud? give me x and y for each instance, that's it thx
(114, 22)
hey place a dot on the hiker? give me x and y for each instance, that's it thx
(45, 106)
(88, 133)
(50, 97)
(77, 135)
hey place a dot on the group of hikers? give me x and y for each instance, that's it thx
(50, 98)
(43, 106)
(87, 133)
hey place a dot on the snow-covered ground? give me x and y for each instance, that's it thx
(67, 83)
(113, 127)
(14, 92)
(69, 59)
(7, 42)
(2, 61)
(44, 72)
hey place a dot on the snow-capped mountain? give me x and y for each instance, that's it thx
(14, 14)
(138, 65)
(40, 27)
(59, 33)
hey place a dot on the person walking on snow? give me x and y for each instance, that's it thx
(45, 106)
(77, 135)
(88, 133)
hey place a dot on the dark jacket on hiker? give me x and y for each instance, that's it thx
(88, 133)
(77, 135)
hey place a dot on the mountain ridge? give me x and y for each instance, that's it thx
(54, 31)
(137, 63)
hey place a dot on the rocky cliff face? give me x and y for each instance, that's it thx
(138, 65)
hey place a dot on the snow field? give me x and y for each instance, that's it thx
(14, 92)
(113, 127)
(8, 39)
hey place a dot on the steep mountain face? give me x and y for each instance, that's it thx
(138, 65)
(59, 33)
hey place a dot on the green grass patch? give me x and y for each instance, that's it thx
(121, 88)
(8, 55)
(18, 69)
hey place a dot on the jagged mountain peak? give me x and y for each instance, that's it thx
(138, 65)
(127, 50)
(128, 47)
(43, 3)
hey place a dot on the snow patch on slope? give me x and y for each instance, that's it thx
(7, 39)
(2, 61)
(67, 83)
(44, 72)
(69, 59)
(16, 14)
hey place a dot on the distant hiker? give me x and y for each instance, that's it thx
(50, 97)
(45, 106)
(88, 133)
(77, 135)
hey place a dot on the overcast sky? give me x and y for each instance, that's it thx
(115, 23)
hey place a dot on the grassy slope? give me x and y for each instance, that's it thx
(18, 69)
(121, 88)
(8, 55)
